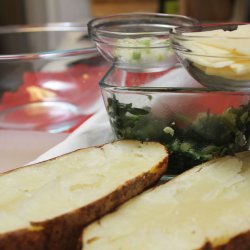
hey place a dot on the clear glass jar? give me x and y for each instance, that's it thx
(196, 124)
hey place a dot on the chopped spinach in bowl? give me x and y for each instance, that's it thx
(190, 141)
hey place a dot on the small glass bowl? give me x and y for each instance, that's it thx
(196, 123)
(218, 55)
(137, 41)
(49, 76)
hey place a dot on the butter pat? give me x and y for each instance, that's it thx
(221, 53)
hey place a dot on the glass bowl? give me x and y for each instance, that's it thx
(196, 123)
(217, 55)
(49, 76)
(137, 41)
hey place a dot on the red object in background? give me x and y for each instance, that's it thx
(77, 85)
(138, 79)
(215, 103)
(192, 103)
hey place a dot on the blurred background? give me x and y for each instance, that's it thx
(35, 93)
(36, 11)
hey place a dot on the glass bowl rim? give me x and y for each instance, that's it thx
(47, 27)
(133, 47)
(93, 31)
(180, 32)
(147, 90)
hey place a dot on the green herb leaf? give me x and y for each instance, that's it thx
(195, 141)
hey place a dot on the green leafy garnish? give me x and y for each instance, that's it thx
(190, 141)
(144, 50)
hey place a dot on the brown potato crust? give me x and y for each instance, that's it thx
(239, 242)
(63, 232)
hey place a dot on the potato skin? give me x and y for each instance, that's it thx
(63, 232)
(239, 242)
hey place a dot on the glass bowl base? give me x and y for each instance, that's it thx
(218, 82)
(52, 117)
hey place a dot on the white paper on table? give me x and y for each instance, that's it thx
(95, 131)
(18, 147)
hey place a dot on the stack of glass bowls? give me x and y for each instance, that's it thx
(49, 73)
(148, 96)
